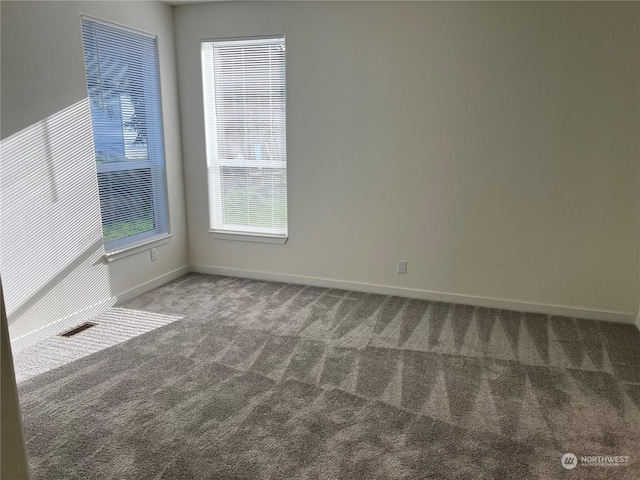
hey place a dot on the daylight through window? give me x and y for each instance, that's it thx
(124, 95)
(245, 122)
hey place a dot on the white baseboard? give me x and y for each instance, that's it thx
(320, 282)
(151, 284)
(638, 322)
(609, 316)
(604, 315)
(71, 320)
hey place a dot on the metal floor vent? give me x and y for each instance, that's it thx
(77, 330)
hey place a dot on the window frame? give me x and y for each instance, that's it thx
(239, 235)
(160, 193)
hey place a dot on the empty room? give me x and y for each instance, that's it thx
(320, 239)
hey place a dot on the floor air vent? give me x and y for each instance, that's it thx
(77, 330)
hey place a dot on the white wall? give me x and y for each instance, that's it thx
(51, 249)
(492, 145)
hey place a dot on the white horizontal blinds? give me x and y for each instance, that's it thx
(245, 120)
(124, 95)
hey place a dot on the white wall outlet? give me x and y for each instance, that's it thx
(154, 254)
(402, 266)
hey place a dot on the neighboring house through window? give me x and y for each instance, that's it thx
(245, 124)
(124, 95)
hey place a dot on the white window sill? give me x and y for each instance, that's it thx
(248, 237)
(138, 247)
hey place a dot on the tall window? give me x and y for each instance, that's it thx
(124, 94)
(245, 120)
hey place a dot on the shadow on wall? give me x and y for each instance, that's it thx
(51, 249)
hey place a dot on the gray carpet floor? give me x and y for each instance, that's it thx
(268, 380)
(115, 325)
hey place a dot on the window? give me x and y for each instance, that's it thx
(124, 95)
(245, 120)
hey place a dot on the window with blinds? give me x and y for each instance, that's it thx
(245, 126)
(121, 68)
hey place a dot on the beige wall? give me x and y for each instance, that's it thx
(13, 462)
(494, 146)
(52, 253)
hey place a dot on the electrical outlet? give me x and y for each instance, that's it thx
(154, 254)
(402, 266)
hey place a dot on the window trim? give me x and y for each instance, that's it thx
(107, 23)
(137, 242)
(221, 234)
(138, 247)
(248, 237)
